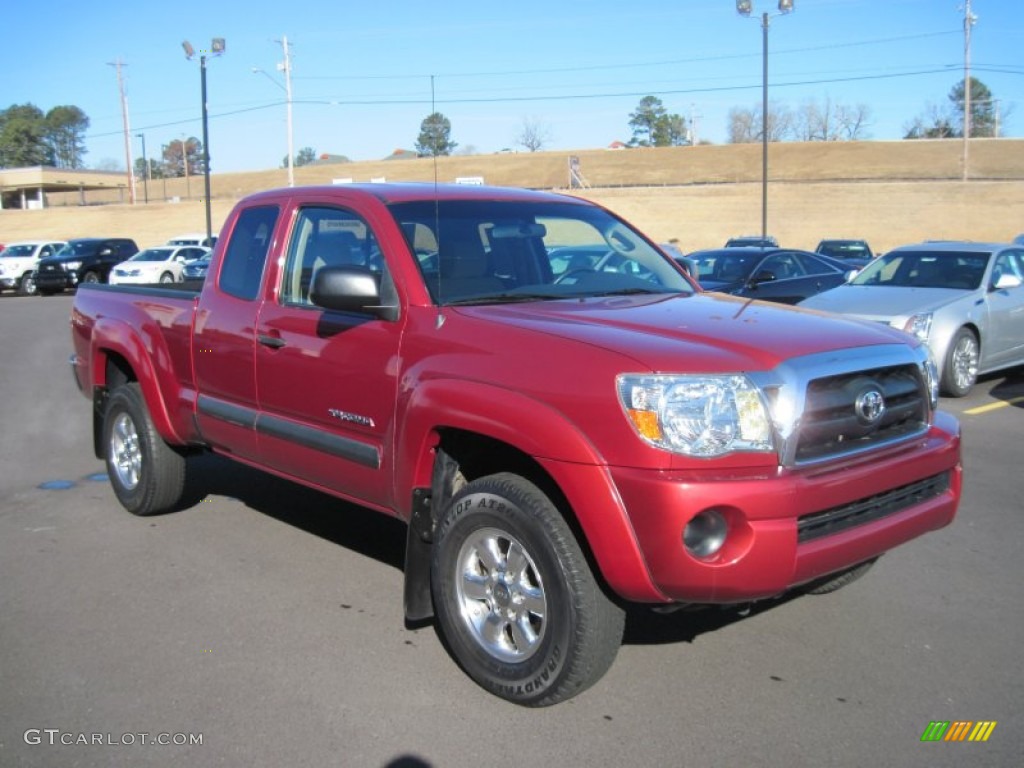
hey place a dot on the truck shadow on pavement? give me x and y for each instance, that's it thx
(382, 538)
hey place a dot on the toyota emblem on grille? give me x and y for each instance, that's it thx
(869, 406)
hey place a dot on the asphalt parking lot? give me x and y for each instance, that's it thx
(265, 623)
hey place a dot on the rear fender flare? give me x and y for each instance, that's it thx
(115, 337)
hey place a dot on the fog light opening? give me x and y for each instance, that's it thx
(705, 534)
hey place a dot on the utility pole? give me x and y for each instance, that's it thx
(286, 66)
(694, 117)
(969, 21)
(127, 131)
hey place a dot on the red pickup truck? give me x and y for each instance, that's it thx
(565, 421)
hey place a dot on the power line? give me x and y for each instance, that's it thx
(620, 94)
(633, 65)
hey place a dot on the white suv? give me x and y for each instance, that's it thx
(194, 238)
(18, 262)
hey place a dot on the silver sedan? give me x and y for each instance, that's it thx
(963, 299)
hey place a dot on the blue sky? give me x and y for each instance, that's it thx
(361, 71)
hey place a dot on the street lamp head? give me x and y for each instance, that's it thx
(189, 50)
(744, 7)
(217, 46)
(785, 6)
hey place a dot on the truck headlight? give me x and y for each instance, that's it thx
(702, 416)
(920, 326)
(71, 266)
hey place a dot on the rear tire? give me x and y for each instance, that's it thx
(147, 475)
(90, 277)
(516, 601)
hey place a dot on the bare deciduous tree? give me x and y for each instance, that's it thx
(853, 121)
(745, 124)
(826, 121)
(533, 134)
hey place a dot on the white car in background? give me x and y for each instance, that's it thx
(162, 264)
(18, 261)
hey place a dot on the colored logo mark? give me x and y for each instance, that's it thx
(958, 730)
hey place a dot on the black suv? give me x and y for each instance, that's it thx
(83, 260)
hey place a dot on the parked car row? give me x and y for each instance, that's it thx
(51, 266)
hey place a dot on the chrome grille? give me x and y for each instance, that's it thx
(832, 425)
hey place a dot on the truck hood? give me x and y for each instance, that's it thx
(881, 302)
(701, 332)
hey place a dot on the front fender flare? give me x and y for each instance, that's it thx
(536, 429)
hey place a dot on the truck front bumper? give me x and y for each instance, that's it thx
(790, 526)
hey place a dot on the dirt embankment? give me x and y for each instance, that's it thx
(886, 192)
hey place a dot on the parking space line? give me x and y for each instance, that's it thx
(993, 406)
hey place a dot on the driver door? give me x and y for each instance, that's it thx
(327, 380)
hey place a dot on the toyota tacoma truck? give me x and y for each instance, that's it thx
(566, 423)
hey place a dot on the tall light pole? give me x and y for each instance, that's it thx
(744, 8)
(216, 49)
(286, 67)
(145, 168)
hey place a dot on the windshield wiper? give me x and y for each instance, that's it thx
(632, 292)
(503, 298)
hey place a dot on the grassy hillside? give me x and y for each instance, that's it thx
(887, 192)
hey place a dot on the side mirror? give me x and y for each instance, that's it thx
(1006, 281)
(349, 289)
(764, 276)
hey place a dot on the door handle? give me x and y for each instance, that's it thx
(274, 342)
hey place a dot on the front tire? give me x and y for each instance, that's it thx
(516, 601)
(839, 580)
(960, 371)
(90, 277)
(147, 475)
(26, 286)
(166, 277)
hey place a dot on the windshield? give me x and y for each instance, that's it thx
(17, 250)
(845, 250)
(152, 254)
(479, 252)
(80, 248)
(925, 269)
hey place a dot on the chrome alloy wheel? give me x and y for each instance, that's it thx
(125, 453)
(501, 596)
(965, 362)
